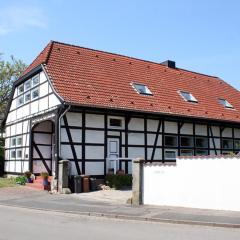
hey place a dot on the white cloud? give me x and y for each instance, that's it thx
(14, 19)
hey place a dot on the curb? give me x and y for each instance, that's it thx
(132, 218)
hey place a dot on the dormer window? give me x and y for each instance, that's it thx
(225, 103)
(187, 96)
(141, 89)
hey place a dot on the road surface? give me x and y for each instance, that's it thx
(26, 224)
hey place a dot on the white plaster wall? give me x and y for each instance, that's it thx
(74, 119)
(95, 120)
(94, 168)
(152, 125)
(157, 155)
(136, 124)
(171, 127)
(215, 131)
(151, 139)
(237, 133)
(136, 152)
(227, 132)
(136, 138)
(217, 142)
(94, 152)
(93, 136)
(210, 183)
(187, 128)
(201, 129)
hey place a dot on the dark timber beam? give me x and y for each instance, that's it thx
(156, 139)
(71, 144)
(213, 141)
(41, 157)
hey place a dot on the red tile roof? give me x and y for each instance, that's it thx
(89, 77)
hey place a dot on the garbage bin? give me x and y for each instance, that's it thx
(76, 184)
(85, 181)
(93, 184)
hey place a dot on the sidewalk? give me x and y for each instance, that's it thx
(101, 204)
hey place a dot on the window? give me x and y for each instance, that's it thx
(170, 141)
(35, 80)
(186, 141)
(19, 154)
(201, 152)
(27, 97)
(19, 141)
(20, 101)
(20, 89)
(142, 89)
(188, 97)
(225, 103)
(27, 85)
(35, 93)
(186, 152)
(237, 144)
(13, 154)
(115, 122)
(201, 142)
(227, 143)
(170, 154)
(13, 142)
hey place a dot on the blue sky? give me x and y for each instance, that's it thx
(201, 36)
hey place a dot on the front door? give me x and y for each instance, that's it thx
(113, 154)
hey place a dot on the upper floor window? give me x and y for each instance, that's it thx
(20, 89)
(27, 85)
(225, 103)
(142, 89)
(187, 96)
(35, 80)
(35, 93)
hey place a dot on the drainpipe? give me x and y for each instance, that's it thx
(58, 128)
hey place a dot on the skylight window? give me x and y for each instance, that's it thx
(142, 89)
(188, 97)
(225, 103)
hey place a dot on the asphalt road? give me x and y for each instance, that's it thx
(18, 223)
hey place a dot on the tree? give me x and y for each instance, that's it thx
(10, 71)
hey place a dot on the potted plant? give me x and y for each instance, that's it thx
(45, 176)
(28, 175)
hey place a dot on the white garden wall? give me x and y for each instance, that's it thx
(206, 182)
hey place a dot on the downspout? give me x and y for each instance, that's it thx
(58, 128)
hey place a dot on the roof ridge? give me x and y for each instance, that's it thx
(135, 58)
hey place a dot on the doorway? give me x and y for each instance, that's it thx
(113, 154)
(42, 144)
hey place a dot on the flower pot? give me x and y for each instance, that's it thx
(29, 180)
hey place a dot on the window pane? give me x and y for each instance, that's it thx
(201, 142)
(201, 152)
(27, 85)
(237, 144)
(19, 141)
(186, 141)
(13, 154)
(186, 152)
(115, 122)
(35, 80)
(20, 101)
(170, 141)
(170, 154)
(227, 143)
(13, 142)
(142, 89)
(19, 153)
(35, 93)
(27, 97)
(20, 89)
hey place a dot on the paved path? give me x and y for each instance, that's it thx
(27, 224)
(100, 204)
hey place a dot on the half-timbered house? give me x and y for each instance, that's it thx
(99, 109)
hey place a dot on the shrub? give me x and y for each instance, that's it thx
(119, 181)
(21, 180)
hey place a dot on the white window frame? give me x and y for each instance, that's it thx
(35, 77)
(18, 103)
(13, 151)
(25, 83)
(33, 90)
(26, 101)
(17, 141)
(17, 152)
(191, 98)
(13, 139)
(146, 89)
(225, 103)
(170, 150)
(19, 93)
(118, 118)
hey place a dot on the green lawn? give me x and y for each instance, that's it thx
(7, 182)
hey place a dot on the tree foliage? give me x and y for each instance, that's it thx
(9, 72)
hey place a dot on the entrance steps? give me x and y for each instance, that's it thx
(38, 183)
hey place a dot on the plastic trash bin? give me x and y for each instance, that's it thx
(93, 184)
(85, 183)
(76, 184)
